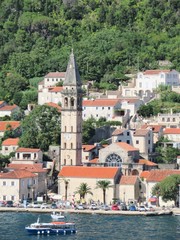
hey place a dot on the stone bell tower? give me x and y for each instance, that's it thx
(71, 116)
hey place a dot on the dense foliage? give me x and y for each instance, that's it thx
(41, 128)
(168, 188)
(110, 38)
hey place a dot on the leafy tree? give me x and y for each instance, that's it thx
(168, 188)
(41, 128)
(104, 185)
(83, 190)
(4, 160)
(88, 129)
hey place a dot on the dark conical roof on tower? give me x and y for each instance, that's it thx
(72, 77)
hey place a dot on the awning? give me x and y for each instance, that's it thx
(153, 199)
(57, 197)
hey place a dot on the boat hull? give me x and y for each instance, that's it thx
(45, 231)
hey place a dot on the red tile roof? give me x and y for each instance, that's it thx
(17, 174)
(8, 108)
(141, 132)
(4, 124)
(95, 160)
(1, 102)
(51, 104)
(56, 75)
(100, 103)
(144, 174)
(126, 146)
(155, 128)
(31, 150)
(34, 168)
(159, 175)
(171, 131)
(10, 142)
(152, 72)
(147, 162)
(118, 132)
(128, 180)
(87, 148)
(88, 172)
(55, 89)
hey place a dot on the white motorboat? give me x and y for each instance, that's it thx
(57, 216)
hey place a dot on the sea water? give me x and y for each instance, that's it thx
(94, 227)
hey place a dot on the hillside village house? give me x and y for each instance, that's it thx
(16, 185)
(172, 134)
(27, 156)
(139, 138)
(5, 125)
(9, 145)
(145, 84)
(7, 110)
(156, 129)
(169, 120)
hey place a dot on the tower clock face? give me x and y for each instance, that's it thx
(67, 136)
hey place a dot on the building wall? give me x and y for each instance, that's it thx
(44, 96)
(74, 183)
(36, 157)
(6, 150)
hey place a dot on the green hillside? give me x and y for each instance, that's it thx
(109, 38)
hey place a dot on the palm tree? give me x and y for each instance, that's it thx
(83, 189)
(104, 185)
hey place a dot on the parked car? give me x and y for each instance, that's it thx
(132, 208)
(105, 207)
(93, 206)
(143, 208)
(2, 204)
(54, 206)
(115, 207)
(123, 207)
(9, 204)
(80, 207)
(45, 206)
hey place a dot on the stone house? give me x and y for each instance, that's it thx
(90, 175)
(9, 145)
(156, 129)
(15, 185)
(6, 109)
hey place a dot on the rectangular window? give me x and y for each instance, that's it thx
(12, 198)
(128, 142)
(109, 108)
(137, 141)
(96, 108)
(6, 148)
(4, 198)
(149, 141)
(12, 183)
(4, 183)
(102, 107)
(127, 133)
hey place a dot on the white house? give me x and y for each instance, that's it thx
(16, 185)
(28, 156)
(172, 134)
(9, 145)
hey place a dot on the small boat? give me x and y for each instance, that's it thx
(176, 214)
(57, 216)
(51, 228)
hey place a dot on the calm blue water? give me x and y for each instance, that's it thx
(95, 227)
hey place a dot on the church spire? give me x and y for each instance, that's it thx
(72, 77)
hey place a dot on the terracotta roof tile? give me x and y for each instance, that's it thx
(152, 72)
(171, 131)
(147, 162)
(88, 172)
(128, 180)
(155, 128)
(34, 168)
(8, 108)
(159, 175)
(144, 174)
(100, 103)
(17, 174)
(87, 148)
(10, 142)
(55, 89)
(4, 124)
(141, 132)
(118, 132)
(51, 104)
(126, 146)
(31, 150)
(56, 75)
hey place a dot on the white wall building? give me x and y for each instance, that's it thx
(9, 145)
(28, 156)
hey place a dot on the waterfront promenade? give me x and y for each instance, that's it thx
(88, 211)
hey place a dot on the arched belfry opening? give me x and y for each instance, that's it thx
(66, 102)
(72, 102)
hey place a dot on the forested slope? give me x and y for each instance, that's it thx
(108, 38)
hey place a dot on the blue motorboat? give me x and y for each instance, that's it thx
(51, 228)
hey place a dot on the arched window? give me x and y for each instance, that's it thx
(66, 102)
(113, 160)
(72, 102)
